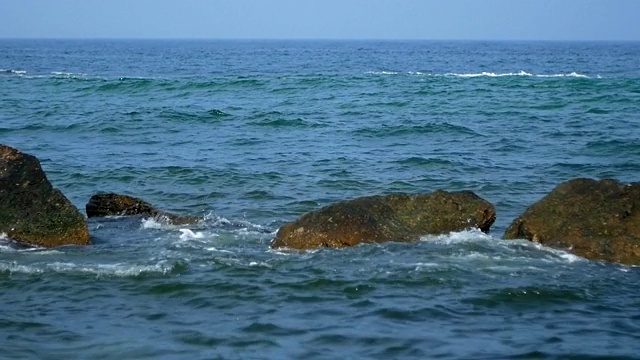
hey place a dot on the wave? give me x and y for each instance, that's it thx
(98, 270)
(287, 123)
(520, 73)
(68, 75)
(212, 223)
(184, 115)
(12, 72)
(383, 73)
(506, 249)
(413, 129)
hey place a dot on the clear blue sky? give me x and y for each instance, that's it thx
(323, 19)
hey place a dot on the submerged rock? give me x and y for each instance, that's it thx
(117, 205)
(397, 217)
(597, 220)
(32, 212)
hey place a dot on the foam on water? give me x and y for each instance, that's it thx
(213, 249)
(151, 223)
(561, 254)
(70, 75)
(488, 74)
(457, 237)
(384, 72)
(513, 247)
(13, 72)
(187, 234)
(117, 269)
(520, 73)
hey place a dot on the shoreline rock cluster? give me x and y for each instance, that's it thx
(595, 219)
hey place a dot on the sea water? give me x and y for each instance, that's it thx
(252, 134)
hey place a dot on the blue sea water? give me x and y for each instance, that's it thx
(252, 134)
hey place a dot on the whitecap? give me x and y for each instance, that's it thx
(572, 74)
(41, 251)
(278, 252)
(151, 223)
(457, 237)
(570, 258)
(555, 254)
(13, 72)
(488, 74)
(186, 234)
(213, 249)
(519, 73)
(157, 222)
(382, 72)
(117, 269)
(14, 267)
(420, 265)
(260, 264)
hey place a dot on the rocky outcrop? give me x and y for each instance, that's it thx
(375, 219)
(118, 205)
(597, 220)
(32, 212)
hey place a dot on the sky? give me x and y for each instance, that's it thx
(323, 19)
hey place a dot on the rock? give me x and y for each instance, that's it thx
(397, 217)
(32, 212)
(598, 220)
(117, 205)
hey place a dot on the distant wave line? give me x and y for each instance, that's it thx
(14, 72)
(484, 74)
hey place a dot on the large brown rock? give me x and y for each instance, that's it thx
(32, 212)
(375, 219)
(597, 220)
(118, 205)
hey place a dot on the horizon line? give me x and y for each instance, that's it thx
(311, 39)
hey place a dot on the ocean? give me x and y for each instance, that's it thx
(253, 134)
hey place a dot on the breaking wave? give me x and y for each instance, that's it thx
(521, 73)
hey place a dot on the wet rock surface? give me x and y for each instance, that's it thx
(32, 212)
(598, 220)
(397, 217)
(121, 205)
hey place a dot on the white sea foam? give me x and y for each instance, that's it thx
(554, 254)
(41, 251)
(420, 266)
(457, 237)
(160, 223)
(187, 234)
(521, 73)
(11, 71)
(488, 74)
(213, 249)
(118, 269)
(382, 72)
(70, 75)
(568, 256)
(279, 252)
(151, 223)
(260, 264)
(573, 74)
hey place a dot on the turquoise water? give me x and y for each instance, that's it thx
(252, 134)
